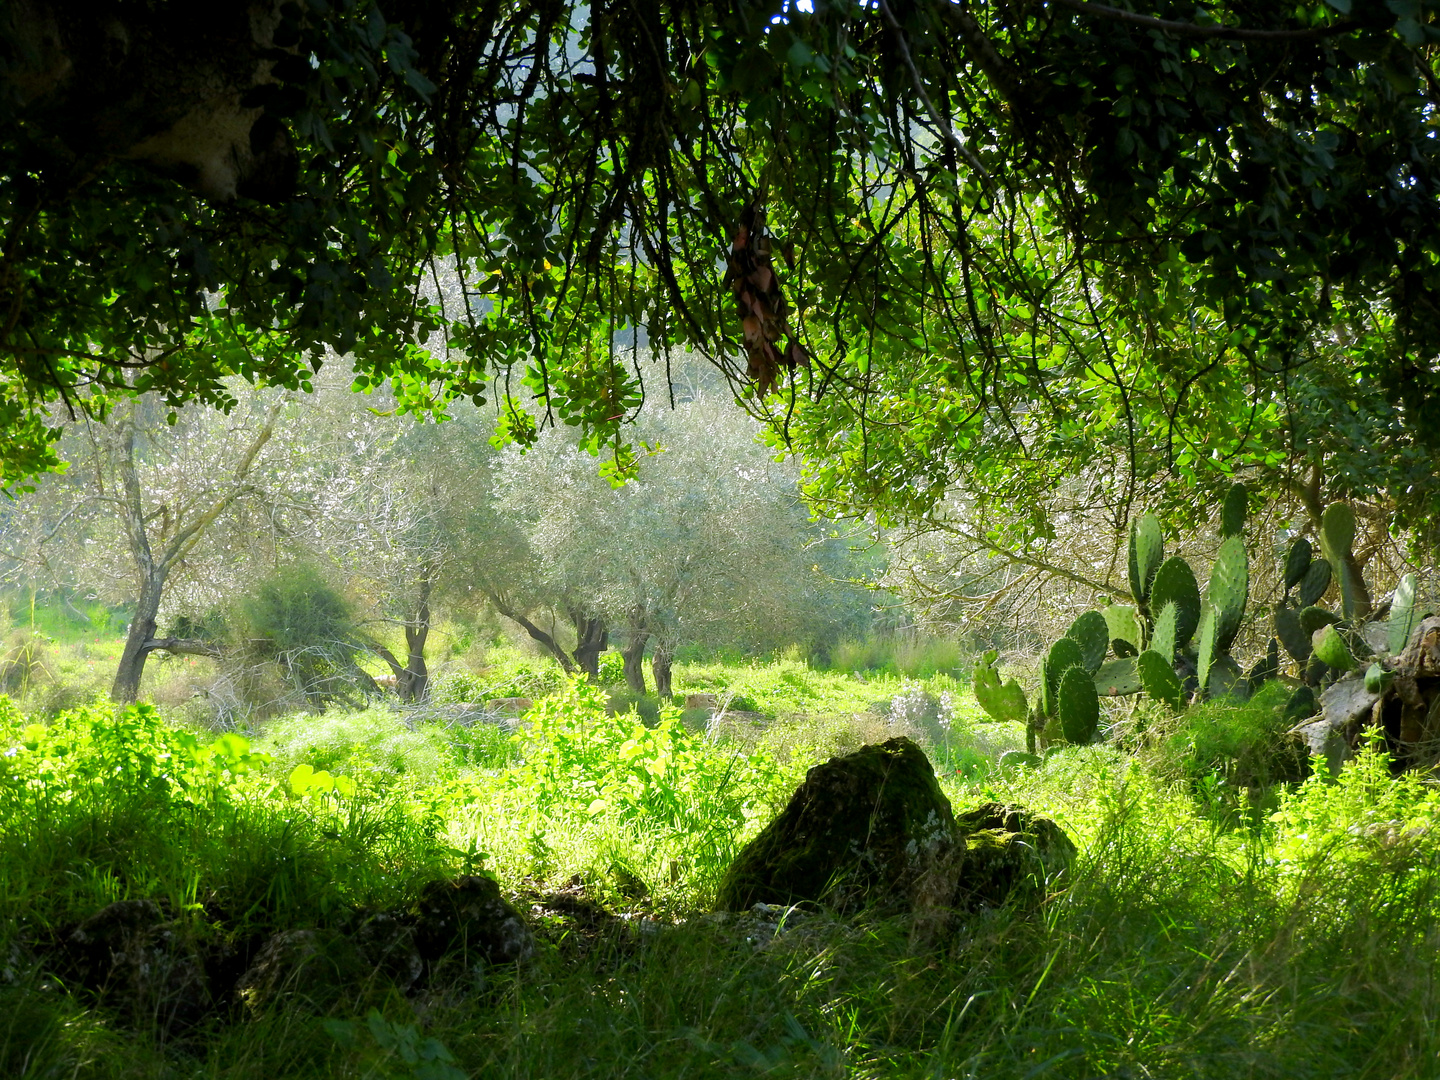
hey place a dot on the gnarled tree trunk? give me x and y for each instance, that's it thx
(634, 654)
(660, 661)
(591, 639)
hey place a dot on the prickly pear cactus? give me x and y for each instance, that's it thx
(1119, 678)
(1206, 651)
(1403, 615)
(1315, 582)
(1229, 587)
(1063, 655)
(1297, 562)
(1078, 706)
(1147, 551)
(1332, 650)
(1288, 630)
(1002, 701)
(1232, 516)
(1175, 583)
(1160, 680)
(1313, 618)
(1092, 634)
(1267, 667)
(1337, 536)
(1124, 626)
(1162, 640)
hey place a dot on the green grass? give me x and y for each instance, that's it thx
(1186, 941)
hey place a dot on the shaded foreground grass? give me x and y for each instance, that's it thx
(1303, 944)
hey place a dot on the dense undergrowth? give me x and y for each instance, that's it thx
(1207, 930)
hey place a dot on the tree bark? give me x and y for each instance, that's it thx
(660, 661)
(591, 639)
(152, 570)
(514, 614)
(634, 654)
(139, 640)
(413, 682)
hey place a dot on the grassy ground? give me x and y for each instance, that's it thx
(1203, 932)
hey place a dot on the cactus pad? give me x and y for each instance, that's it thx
(1175, 583)
(1232, 516)
(1315, 582)
(1118, 678)
(1288, 630)
(1378, 678)
(1092, 634)
(1297, 562)
(1337, 532)
(1330, 647)
(1162, 640)
(1160, 680)
(1124, 627)
(1229, 587)
(1313, 618)
(1403, 615)
(1078, 706)
(1205, 658)
(1147, 551)
(1227, 680)
(1064, 654)
(1002, 702)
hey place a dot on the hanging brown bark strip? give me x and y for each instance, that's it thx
(751, 276)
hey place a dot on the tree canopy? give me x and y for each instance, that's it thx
(927, 238)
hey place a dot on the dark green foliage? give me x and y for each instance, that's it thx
(1301, 705)
(1175, 583)
(1265, 668)
(1245, 742)
(299, 620)
(1091, 632)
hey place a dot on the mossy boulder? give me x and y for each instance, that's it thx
(871, 829)
(306, 968)
(469, 916)
(1011, 855)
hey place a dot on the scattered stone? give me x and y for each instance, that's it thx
(470, 916)
(509, 706)
(871, 829)
(141, 965)
(1010, 854)
(310, 967)
(387, 945)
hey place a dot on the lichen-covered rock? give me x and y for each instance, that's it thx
(141, 965)
(1010, 855)
(468, 915)
(871, 829)
(304, 967)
